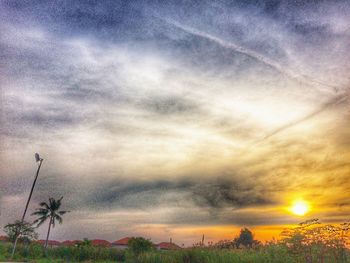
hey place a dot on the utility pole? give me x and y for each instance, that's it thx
(39, 161)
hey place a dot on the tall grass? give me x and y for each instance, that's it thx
(271, 253)
(276, 254)
(35, 252)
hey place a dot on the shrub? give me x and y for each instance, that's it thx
(138, 245)
(23, 230)
(313, 242)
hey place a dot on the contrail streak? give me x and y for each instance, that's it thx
(341, 98)
(332, 102)
(291, 75)
(229, 45)
(300, 78)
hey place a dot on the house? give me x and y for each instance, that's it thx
(4, 239)
(71, 243)
(100, 243)
(167, 246)
(50, 243)
(121, 243)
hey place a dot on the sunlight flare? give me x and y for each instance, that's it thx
(300, 207)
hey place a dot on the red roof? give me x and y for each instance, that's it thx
(122, 242)
(71, 242)
(3, 238)
(100, 242)
(167, 245)
(49, 242)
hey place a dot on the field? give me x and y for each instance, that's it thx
(269, 253)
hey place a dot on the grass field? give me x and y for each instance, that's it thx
(271, 253)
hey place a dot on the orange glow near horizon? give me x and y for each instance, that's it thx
(190, 235)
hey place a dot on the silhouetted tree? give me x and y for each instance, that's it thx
(85, 243)
(24, 231)
(245, 238)
(316, 241)
(140, 245)
(49, 211)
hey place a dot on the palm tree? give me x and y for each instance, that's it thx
(49, 211)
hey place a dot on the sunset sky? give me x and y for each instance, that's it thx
(175, 120)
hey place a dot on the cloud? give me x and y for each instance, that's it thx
(255, 55)
(169, 105)
(339, 99)
(158, 124)
(210, 193)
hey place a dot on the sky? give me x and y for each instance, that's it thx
(173, 120)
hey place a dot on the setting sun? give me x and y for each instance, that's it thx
(300, 208)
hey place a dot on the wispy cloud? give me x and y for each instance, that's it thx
(305, 80)
(220, 118)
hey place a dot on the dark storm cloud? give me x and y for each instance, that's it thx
(217, 198)
(48, 184)
(81, 93)
(227, 193)
(72, 16)
(170, 105)
(50, 118)
(214, 193)
(28, 121)
(310, 29)
(224, 217)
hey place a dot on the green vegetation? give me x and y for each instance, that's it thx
(310, 242)
(140, 245)
(36, 253)
(245, 239)
(24, 231)
(49, 211)
(270, 253)
(209, 255)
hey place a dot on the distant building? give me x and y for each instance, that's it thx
(71, 243)
(121, 243)
(167, 246)
(100, 243)
(50, 243)
(4, 239)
